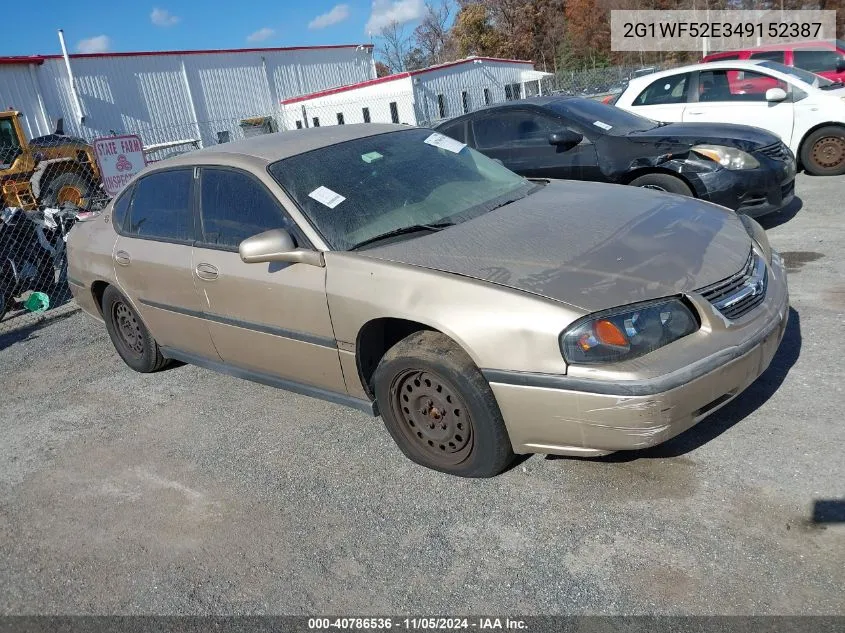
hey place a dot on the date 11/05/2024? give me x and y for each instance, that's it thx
(416, 624)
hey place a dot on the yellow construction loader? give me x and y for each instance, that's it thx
(48, 171)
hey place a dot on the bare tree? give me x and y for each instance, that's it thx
(432, 34)
(395, 46)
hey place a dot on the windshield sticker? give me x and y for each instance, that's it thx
(602, 125)
(444, 142)
(371, 157)
(326, 196)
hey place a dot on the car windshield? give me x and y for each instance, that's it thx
(803, 75)
(359, 190)
(601, 117)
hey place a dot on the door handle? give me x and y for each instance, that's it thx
(122, 258)
(694, 112)
(207, 272)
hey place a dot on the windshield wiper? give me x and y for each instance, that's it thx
(836, 84)
(414, 228)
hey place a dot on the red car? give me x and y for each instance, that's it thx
(822, 57)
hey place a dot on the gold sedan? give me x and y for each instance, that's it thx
(395, 270)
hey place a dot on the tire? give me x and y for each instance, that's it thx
(823, 151)
(439, 409)
(129, 335)
(662, 182)
(67, 187)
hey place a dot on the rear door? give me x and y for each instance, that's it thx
(727, 95)
(269, 318)
(664, 99)
(520, 139)
(152, 258)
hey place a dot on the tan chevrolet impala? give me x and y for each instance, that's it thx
(397, 271)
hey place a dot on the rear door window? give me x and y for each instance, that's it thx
(666, 90)
(161, 207)
(816, 60)
(772, 56)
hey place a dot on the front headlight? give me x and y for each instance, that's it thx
(625, 333)
(727, 157)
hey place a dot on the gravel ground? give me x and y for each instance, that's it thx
(188, 492)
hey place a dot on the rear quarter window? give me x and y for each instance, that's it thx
(161, 207)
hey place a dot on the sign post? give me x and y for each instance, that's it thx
(119, 158)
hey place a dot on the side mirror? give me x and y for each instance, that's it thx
(276, 245)
(566, 139)
(775, 94)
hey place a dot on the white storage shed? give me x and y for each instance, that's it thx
(417, 97)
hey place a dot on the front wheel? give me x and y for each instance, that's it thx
(662, 182)
(439, 409)
(823, 152)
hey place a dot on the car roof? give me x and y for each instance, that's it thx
(508, 105)
(784, 46)
(746, 64)
(268, 148)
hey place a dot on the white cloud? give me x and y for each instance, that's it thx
(163, 17)
(385, 12)
(98, 44)
(338, 14)
(260, 35)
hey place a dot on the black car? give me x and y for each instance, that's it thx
(737, 166)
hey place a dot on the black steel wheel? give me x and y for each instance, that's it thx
(439, 409)
(130, 337)
(434, 418)
(128, 329)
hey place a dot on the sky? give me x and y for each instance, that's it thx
(140, 25)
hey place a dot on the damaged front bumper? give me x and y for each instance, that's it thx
(753, 192)
(585, 414)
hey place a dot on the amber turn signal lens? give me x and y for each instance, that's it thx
(609, 334)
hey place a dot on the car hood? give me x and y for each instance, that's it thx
(744, 137)
(592, 246)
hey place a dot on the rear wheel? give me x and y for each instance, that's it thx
(662, 182)
(439, 409)
(129, 335)
(69, 187)
(823, 152)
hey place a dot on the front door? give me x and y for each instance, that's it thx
(268, 318)
(152, 261)
(739, 96)
(520, 139)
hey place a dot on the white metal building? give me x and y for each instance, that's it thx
(419, 96)
(172, 95)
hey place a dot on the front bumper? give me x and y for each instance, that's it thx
(754, 192)
(577, 415)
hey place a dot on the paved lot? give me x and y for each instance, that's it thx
(191, 492)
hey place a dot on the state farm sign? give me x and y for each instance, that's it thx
(119, 159)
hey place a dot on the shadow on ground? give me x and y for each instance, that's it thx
(741, 407)
(783, 216)
(29, 329)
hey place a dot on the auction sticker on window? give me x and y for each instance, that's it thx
(444, 142)
(602, 125)
(326, 196)
(119, 158)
